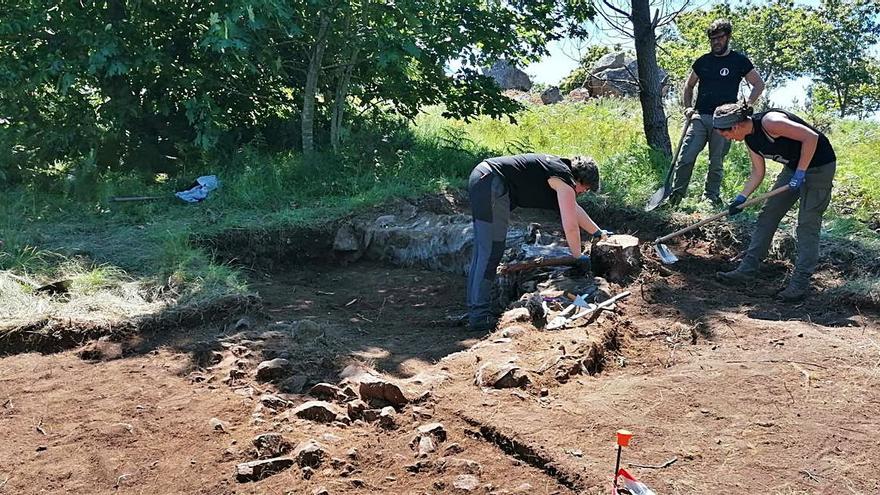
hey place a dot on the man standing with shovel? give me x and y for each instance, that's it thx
(719, 74)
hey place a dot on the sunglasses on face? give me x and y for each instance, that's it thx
(723, 129)
(717, 37)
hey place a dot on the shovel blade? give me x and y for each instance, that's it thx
(656, 198)
(665, 254)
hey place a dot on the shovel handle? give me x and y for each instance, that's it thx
(538, 262)
(684, 129)
(758, 199)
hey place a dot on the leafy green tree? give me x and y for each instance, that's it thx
(839, 58)
(138, 82)
(776, 37)
(863, 98)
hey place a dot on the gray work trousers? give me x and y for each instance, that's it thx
(814, 196)
(490, 206)
(701, 132)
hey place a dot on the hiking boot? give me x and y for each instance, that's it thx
(674, 200)
(482, 325)
(793, 293)
(736, 277)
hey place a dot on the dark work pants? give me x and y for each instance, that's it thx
(490, 206)
(700, 133)
(814, 196)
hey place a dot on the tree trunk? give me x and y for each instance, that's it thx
(341, 95)
(650, 95)
(311, 86)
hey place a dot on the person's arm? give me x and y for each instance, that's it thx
(778, 125)
(585, 222)
(756, 176)
(687, 97)
(757, 83)
(568, 212)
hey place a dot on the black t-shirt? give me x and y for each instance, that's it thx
(526, 177)
(786, 150)
(719, 79)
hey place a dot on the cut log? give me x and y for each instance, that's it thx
(617, 258)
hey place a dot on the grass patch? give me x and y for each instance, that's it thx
(60, 228)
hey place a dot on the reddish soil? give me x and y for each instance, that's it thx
(746, 395)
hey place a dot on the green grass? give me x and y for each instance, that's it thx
(54, 227)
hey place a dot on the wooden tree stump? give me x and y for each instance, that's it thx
(617, 258)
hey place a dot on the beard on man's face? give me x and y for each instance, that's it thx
(720, 46)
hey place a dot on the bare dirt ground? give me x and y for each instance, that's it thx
(745, 394)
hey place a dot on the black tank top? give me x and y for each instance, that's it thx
(526, 178)
(786, 150)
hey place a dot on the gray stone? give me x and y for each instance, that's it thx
(317, 410)
(435, 430)
(218, 425)
(310, 454)
(425, 446)
(271, 445)
(320, 491)
(257, 470)
(614, 60)
(579, 94)
(272, 369)
(325, 391)
(508, 76)
(293, 385)
(273, 402)
(466, 483)
(387, 417)
(347, 239)
(551, 95)
(356, 409)
(505, 375)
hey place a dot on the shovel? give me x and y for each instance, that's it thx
(662, 193)
(668, 257)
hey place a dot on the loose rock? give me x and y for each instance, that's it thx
(273, 402)
(218, 425)
(272, 369)
(310, 454)
(387, 417)
(317, 410)
(257, 470)
(271, 445)
(325, 391)
(435, 430)
(506, 375)
(466, 483)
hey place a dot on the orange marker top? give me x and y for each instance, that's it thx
(623, 437)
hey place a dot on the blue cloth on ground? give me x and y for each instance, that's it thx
(200, 190)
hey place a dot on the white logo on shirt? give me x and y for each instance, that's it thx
(725, 71)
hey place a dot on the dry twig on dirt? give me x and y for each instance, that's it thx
(778, 361)
(655, 466)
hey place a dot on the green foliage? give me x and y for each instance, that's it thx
(148, 86)
(775, 36)
(846, 74)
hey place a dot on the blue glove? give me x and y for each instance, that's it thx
(797, 180)
(733, 208)
(601, 234)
